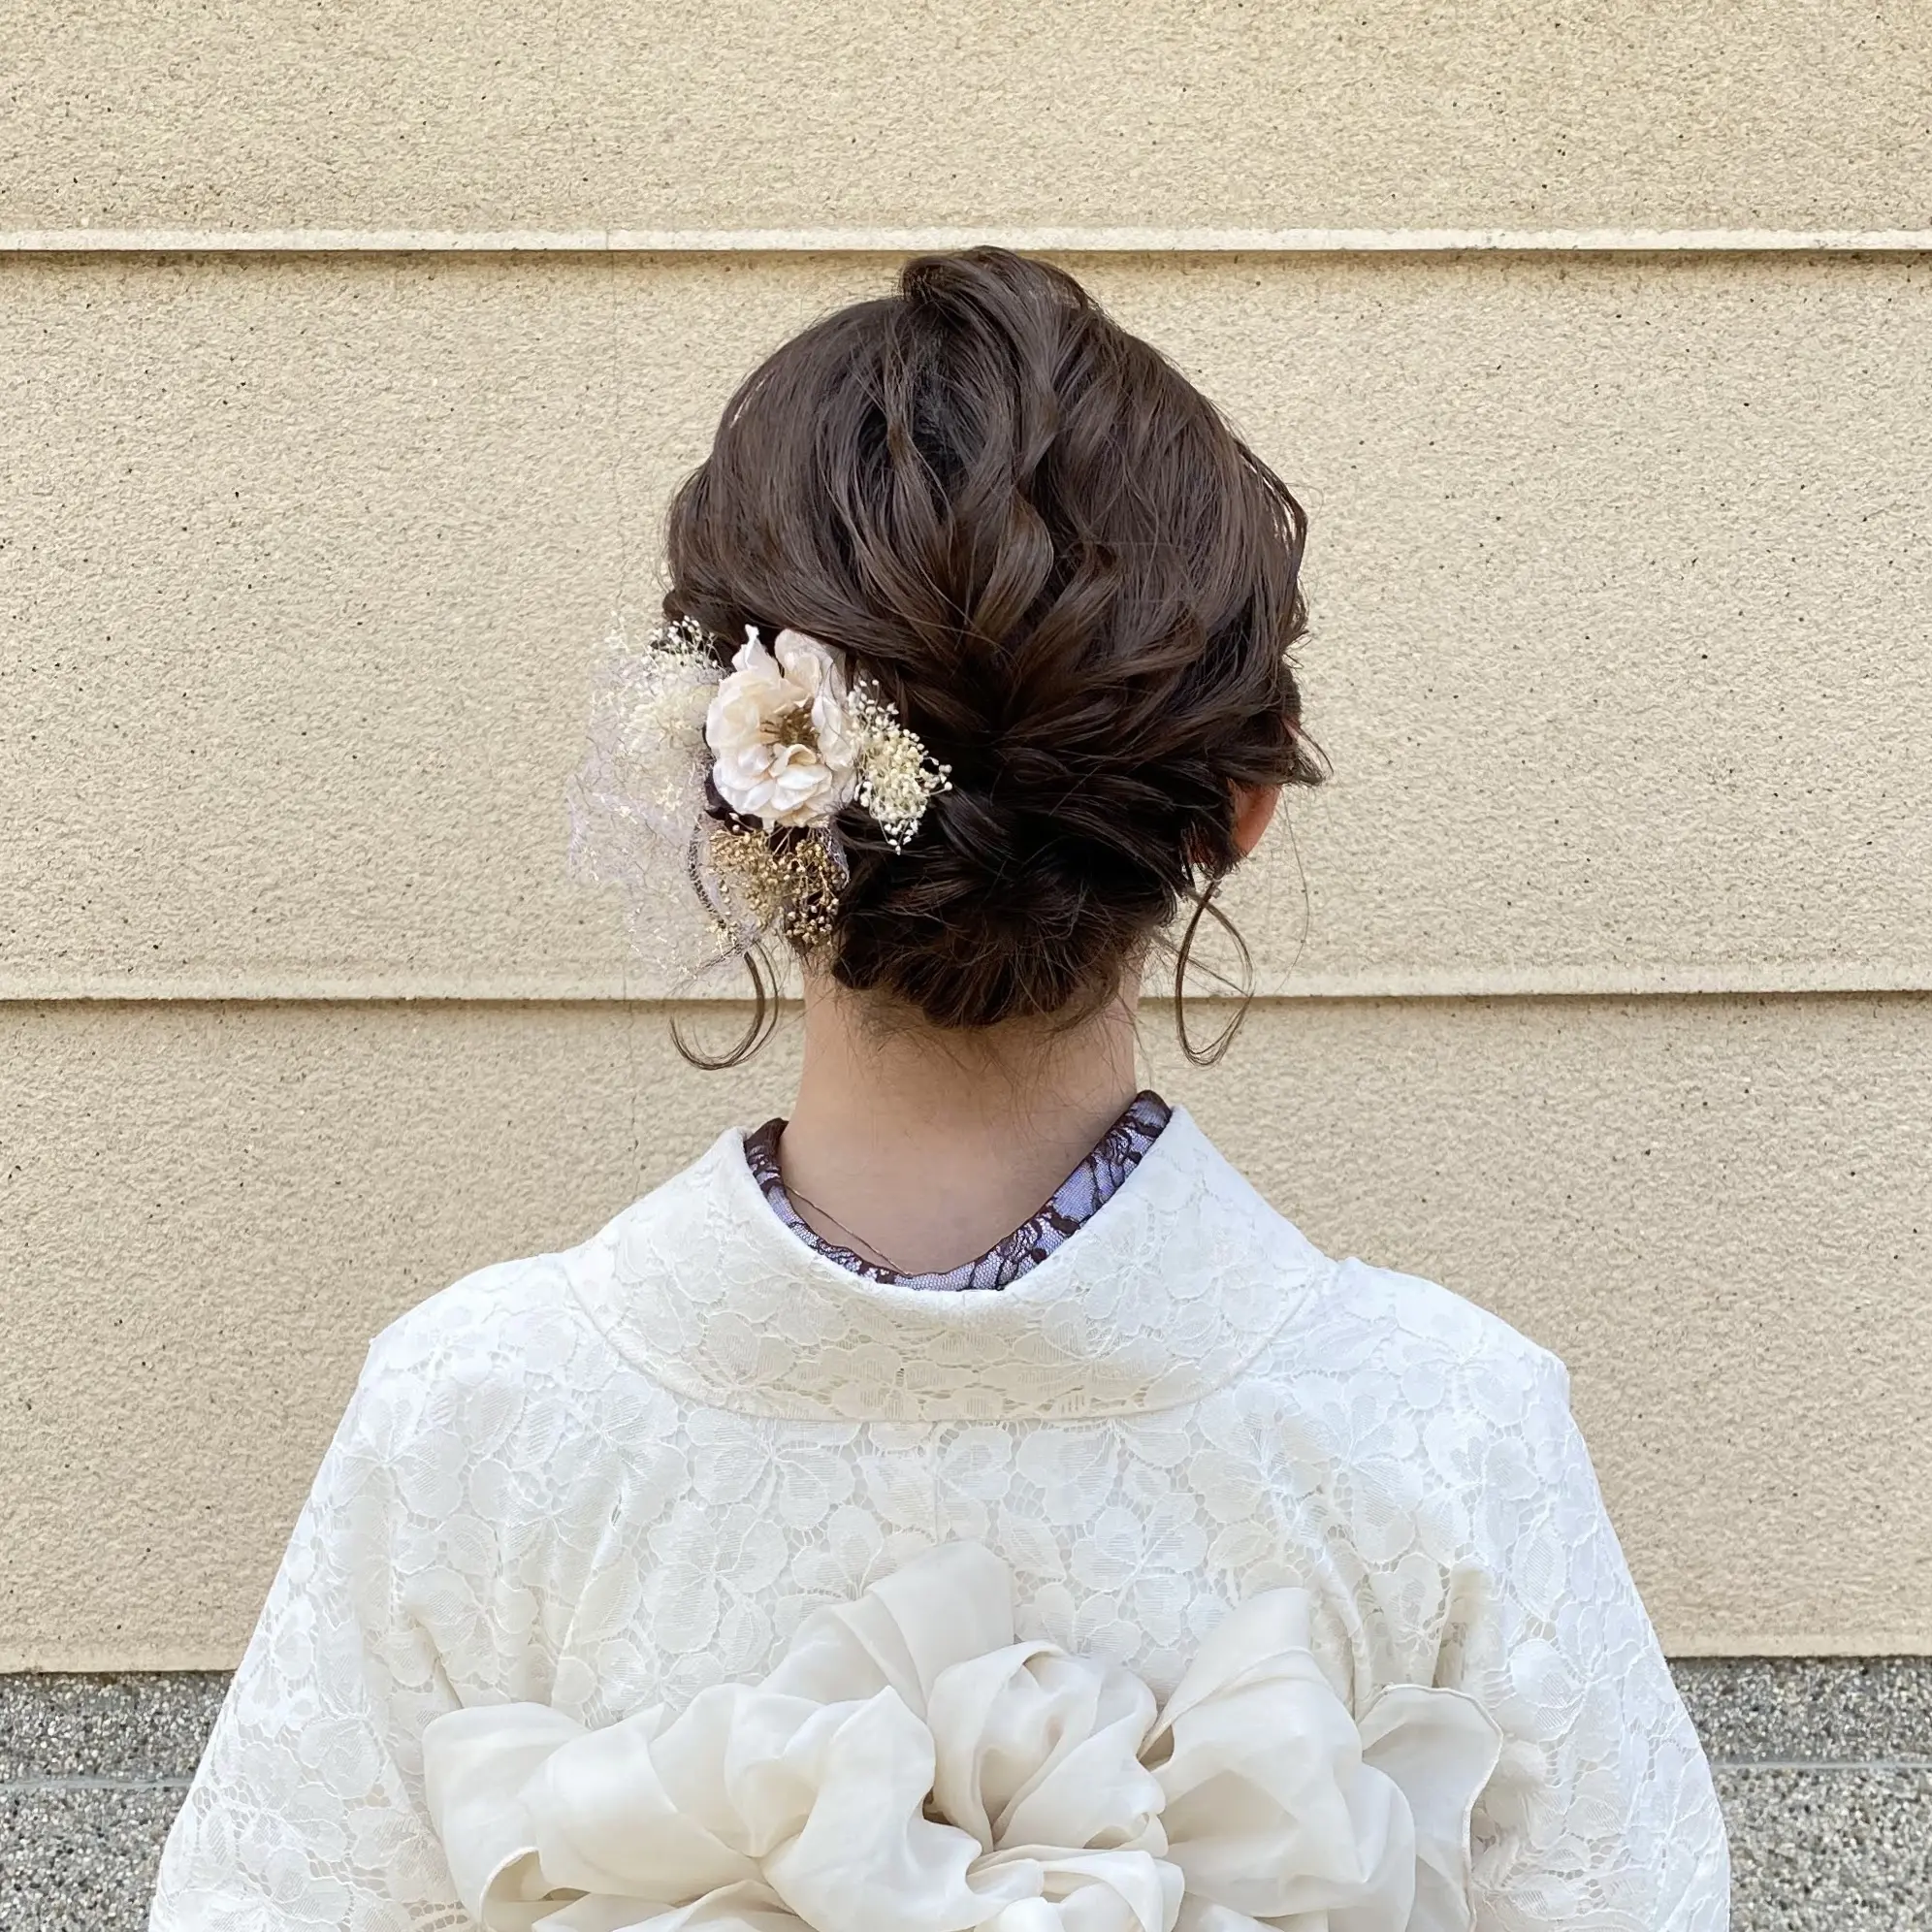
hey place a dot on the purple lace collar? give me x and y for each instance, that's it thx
(1075, 1200)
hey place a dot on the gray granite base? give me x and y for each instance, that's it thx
(92, 1770)
(1825, 1766)
(1828, 1847)
(81, 1857)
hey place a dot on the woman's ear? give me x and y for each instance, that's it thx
(1254, 809)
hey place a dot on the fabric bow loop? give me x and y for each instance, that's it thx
(910, 1766)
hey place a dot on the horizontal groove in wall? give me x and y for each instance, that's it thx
(1664, 981)
(1074, 241)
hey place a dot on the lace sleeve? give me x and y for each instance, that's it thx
(306, 1809)
(1603, 1814)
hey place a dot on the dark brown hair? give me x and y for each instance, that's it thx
(1075, 583)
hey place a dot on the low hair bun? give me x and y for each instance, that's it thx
(1074, 582)
(1008, 910)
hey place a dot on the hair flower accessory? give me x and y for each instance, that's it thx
(725, 789)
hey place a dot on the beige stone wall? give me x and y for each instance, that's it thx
(769, 113)
(1617, 573)
(1599, 981)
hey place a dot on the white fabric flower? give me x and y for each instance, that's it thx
(782, 743)
(909, 1767)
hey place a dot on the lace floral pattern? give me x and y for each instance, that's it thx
(1073, 1203)
(611, 1479)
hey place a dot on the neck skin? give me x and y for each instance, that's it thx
(922, 1148)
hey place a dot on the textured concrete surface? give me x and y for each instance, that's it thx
(754, 112)
(1765, 1712)
(1714, 1210)
(1825, 1769)
(1829, 1850)
(80, 1858)
(142, 1728)
(1623, 619)
(92, 1770)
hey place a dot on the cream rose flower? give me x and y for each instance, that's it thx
(780, 735)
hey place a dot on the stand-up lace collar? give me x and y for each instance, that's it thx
(1164, 1294)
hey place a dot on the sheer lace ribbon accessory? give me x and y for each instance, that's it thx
(908, 1766)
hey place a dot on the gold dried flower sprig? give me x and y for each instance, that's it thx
(786, 885)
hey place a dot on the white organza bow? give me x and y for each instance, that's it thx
(909, 1767)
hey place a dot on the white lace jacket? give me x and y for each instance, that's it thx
(605, 1480)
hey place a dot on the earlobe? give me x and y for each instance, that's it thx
(1254, 811)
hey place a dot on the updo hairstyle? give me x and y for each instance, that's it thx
(1073, 581)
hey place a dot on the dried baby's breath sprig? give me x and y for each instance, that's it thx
(897, 777)
(786, 884)
(687, 641)
(667, 693)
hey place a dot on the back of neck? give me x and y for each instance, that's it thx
(923, 1147)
